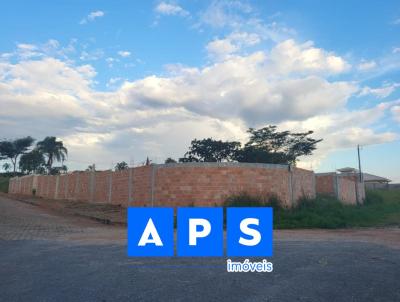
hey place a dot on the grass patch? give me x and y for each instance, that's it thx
(4, 180)
(381, 208)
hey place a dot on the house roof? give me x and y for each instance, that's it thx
(347, 170)
(366, 176)
(374, 178)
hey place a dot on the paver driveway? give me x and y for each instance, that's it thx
(47, 257)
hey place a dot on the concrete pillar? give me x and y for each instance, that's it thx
(152, 184)
(357, 192)
(130, 181)
(314, 186)
(77, 184)
(290, 183)
(92, 185)
(48, 186)
(66, 184)
(35, 183)
(336, 184)
(57, 185)
(110, 187)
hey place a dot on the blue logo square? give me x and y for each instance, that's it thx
(249, 231)
(150, 231)
(200, 232)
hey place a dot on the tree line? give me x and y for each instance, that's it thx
(31, 158)
(265, 145)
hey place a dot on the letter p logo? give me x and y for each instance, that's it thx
(200, 232)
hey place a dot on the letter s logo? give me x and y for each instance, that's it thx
(244, 228)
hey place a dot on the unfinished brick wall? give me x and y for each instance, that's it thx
(120, 186)
(346, 188)
(211, 184)
(205, 184)
(360, 187)
(303, 184)
(326, 184)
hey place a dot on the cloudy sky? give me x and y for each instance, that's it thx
(122, 80)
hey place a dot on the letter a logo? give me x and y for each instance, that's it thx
(150, 232)
(150, 235)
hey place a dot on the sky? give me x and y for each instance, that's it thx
(125, 80)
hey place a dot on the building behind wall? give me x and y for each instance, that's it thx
(370, 181)
(347, 187)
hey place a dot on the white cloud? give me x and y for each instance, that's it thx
(171, 9)
(113, 81)
(396, 50)
(219, 100)
(367, 65)
(241, 17)
(92, 55)
(396, 113)
(289, 57)
(381, 92)
(124, 53)
(342, 130)
(225, 13)
(92, 16)
(221, 49)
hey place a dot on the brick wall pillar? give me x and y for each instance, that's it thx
(110, 179)
(130, 185)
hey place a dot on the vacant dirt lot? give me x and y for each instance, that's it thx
(48, 256)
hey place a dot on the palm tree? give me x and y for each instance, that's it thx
(53, 150)
(6, 167)
(12, 149)
(121, 166)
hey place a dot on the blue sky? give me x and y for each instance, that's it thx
(122, 80)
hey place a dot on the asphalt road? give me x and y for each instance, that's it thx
(46, 257)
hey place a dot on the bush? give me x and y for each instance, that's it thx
(372, 197)
(381, 208)
(4, 181)
(245, 199)
(321, 212)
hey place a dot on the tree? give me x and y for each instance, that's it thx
(53, 150)
(6, 167)
(277, 147)
(121, 166)
(252, 154)
(13, 149)
(59, 170)
(210, 150)
(148, 161)
(265, 145)
(32, 162)
(170, 160)
(268, 139)
(91, 168)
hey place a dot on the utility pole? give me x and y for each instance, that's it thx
(359, 163)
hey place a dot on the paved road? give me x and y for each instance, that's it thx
(45, 257)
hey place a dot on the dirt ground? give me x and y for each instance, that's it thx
(116, 216)
(49, 253)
